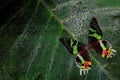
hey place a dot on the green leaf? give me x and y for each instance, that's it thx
(29, 38)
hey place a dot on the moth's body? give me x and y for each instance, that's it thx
(95, 42)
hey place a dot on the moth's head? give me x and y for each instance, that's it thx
(108, 51)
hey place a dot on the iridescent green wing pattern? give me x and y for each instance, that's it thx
(70, 44)
(95, 32)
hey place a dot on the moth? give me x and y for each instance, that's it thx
(95, 41)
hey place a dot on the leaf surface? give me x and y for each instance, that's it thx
(29, 39)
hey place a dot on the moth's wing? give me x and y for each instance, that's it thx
(66, 42)
(70, 44)
(95, 32)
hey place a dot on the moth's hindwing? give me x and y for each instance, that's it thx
(83, 62)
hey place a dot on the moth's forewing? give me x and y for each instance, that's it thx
(67, 43)
(95, 32)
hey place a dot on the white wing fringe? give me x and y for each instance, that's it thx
(84, 71)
